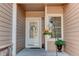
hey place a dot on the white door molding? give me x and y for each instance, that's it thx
(27, 28)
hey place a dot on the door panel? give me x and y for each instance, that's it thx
(33, 32)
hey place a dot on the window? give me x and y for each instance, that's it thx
(55, 26)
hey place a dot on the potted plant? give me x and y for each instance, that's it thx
(47, 33)
(59, 43)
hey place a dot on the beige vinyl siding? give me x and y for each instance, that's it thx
(35, 14)
(71, 28)
(5, 28)
(5, 24)
(54, 9)
(20, 41)
(51, 46)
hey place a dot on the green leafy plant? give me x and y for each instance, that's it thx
(59, 42)
(47, 33)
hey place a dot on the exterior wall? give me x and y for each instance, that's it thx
(54, 9)
(51, 46)
(71, 28)
(5, 26)
(20, 41)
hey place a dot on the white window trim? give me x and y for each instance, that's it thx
(54, 15)
(57, 15)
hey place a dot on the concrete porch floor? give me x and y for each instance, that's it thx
(39, 52)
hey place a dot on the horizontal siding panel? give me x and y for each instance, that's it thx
(74, 43)
(70, 51)
(9, 6)
(5, 12)
(5, 33)
(5, 28)
(71, 28)
(69, 45)
(5, 15)
(20, 43)
(35, 14)
(55, 9)
(69, 8)
(5, 24)
(5, 7)
(70, 34)
(5, 42)
(5, 38)
(73, 10)
(72, 21)
(5, 20)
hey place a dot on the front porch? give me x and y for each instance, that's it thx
(40, 52)
(22, 27)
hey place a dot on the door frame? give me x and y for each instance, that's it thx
(54, 15)
(26, 32)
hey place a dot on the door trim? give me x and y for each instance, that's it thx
(40, 31)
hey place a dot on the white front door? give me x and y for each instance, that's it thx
(33, 32)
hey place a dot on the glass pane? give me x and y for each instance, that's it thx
(55, 26)
(33, 30)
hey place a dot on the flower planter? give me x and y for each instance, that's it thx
(59, 48)
(47, 36)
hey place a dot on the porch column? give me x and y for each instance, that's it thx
(14, 28)
(46, 25)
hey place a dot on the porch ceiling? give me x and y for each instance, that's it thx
(37, 7)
